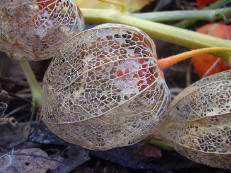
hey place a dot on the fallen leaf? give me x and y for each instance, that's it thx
(32, 160)
(130, 5)
(202, 3)
(72, 157)
(126, 157)
(207, 64)
(11, 136)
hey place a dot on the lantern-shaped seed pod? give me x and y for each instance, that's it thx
(34, 29)
(198, 124)
(103, 89)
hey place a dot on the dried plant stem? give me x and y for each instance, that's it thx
(166, 62)
(159, 31)
(209, 15)
(36, 89)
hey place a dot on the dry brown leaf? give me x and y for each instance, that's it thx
(130, 5)
(33, 160)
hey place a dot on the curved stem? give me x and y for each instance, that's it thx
(35, 88)
(166, 62)
(159, 31)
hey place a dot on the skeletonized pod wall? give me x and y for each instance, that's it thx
(198, 122)
(34, 29)
(103, 89)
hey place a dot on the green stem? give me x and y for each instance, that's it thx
(209, 15)
(159, 31)
(36, 89)
(161, 144)
(218, 4)
(186, 23)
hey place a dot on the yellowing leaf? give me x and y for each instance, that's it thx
(130, 5)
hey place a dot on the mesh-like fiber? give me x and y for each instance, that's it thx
(103, 89)
(34, 29)
(198, 124)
